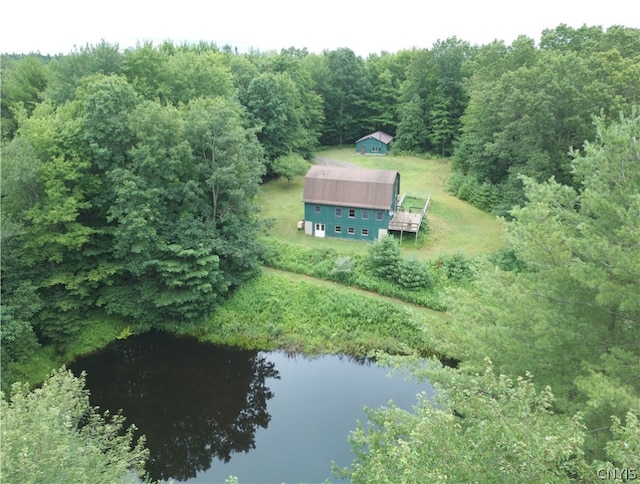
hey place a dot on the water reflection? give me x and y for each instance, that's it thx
(192, 403)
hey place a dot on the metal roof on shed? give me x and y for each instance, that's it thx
(379, 135)
(349, 187)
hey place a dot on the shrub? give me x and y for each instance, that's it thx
(383, 258)
(323, 269)
(342, 269)
(414, 275)
(52, 434)
(507, 260)
(455, 268)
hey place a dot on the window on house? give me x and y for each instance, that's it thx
(364, 232)
(375, 149)
(351, 230)
(379, 215)
(352, 213)
(365, 214)
(338, 212)
(338, 229)
(317, 208)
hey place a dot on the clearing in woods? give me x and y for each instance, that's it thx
(455, 226)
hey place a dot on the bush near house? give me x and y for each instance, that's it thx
(381, 270)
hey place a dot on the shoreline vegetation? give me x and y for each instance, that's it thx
(160, 188)
(299, 303)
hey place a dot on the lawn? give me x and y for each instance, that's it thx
(454, 225)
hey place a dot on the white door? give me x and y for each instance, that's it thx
(320, 228)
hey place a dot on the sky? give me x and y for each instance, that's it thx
(366, 27)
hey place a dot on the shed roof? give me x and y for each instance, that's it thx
(379, 135)
(349, 187)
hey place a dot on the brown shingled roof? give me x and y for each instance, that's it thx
(349, 187)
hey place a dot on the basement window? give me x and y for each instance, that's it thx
(351, 230)
(364, 232)
(338, 229)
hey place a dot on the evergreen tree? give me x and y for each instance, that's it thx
(383, 258)
(573, 314)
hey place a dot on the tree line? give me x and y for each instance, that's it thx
(128, 181)
(498, 109)
(547, 334)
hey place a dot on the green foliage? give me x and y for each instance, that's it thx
(383, 258)
(23, 83)
(507, 260)
(18, 343)
(189, 75)
(412, 131)
(343, 268)
(273, 103)
(52, 434)
(432, 98)
(456, 268)
(486, 428)
(344, 97)
(413, 275)
(133, 205)
(282, 99)
(482, 195)
(385, 73)
(107, 103)
(624, 450)
(279, 311)
(17, 338)
(352, 270)
(526, 109)
(289, 166)
(570, 313)
(67, 71)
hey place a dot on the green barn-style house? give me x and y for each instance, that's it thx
(349, 203)
(374, 144)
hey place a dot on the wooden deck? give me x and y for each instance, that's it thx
(408, 221)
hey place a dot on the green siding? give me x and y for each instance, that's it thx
(372, 146)
(327, 215)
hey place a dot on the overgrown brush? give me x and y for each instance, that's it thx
(274, 311)
(382, 270)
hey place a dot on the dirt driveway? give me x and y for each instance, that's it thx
(321, 160)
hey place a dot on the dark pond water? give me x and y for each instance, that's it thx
(210, 411)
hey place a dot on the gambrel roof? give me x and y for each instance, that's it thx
(379, 135)
(349, 187)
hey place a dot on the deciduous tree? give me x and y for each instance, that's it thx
(572, 317)
(290, 166)
(52, 434)
(486, 428)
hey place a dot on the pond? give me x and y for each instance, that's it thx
(209, 411)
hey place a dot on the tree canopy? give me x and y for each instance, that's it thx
(573, 312)
(52, 434)
(128, 182)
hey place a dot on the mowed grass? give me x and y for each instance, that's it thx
(454, 225)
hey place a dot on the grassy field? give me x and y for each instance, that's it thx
(455, 226)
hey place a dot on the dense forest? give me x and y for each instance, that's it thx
(128, 185)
